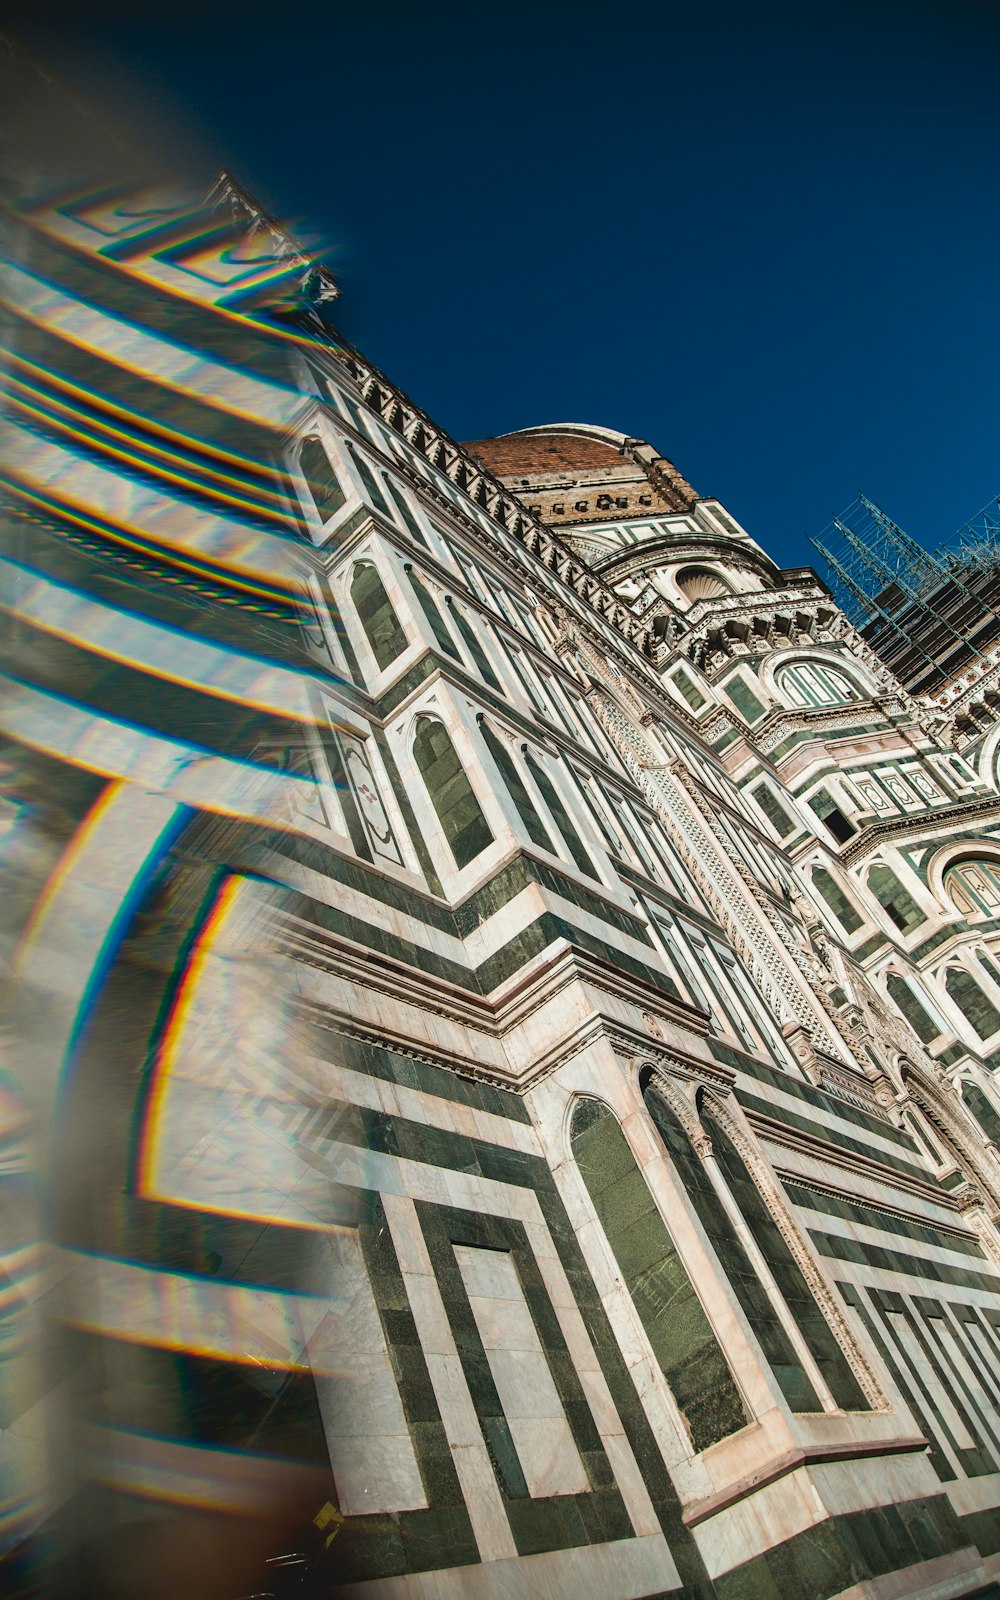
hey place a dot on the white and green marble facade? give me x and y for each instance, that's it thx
(574, 1201)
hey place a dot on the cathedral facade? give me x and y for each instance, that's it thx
(625, 1218)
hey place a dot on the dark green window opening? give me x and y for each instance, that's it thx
(473, 646)
(373, 494)
(379, 620)
(837, 900)
(674, 1319)
(324, 485)
(774, 811)
(831, 816)
(452, 796)
(898, 903)
(746, 1285)
(404, 510)
(916, 1014)
(508, 769)
(984, 1111)
(972, 1001)
(785, 1270)
(689, 689)
(744, 699)
(560, 816)
(438, 626)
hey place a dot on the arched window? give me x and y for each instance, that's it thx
(374, 609)
(560, 816)
(916, 1014)
(898, 902)
(473, 646)
(837, 900)
(428, 606)
(372, 492)
(972, 1001)
(534, 826)
(675, 1321)
(812, 683)
(746, 1285)
(324, 485)
(452, 796)
(984, 1111)
(785, 1270)
(974, 887)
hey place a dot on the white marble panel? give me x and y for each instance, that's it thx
(542, 1438)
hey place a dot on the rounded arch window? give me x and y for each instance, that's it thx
(813, 683)
(701, 583)
(974, 887)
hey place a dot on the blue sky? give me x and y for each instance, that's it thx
(764, 237)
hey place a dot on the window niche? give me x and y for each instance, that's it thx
(322, 482)
(376, 615)
(676, 1324)
(454, 800)
(895, 900)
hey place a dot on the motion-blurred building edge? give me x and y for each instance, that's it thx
(625, 1212)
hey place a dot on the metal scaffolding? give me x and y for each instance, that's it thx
(926, 613)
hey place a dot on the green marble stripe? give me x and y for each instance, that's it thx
(982, 1528)
(874, 1255)
(807, 1092)
(939, 1461)
(846, 1550)
(831, 1136)
(378, 1061)
(886, 1222)
(136, 697)
(975, 1461)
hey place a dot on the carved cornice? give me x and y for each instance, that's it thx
(920, 825)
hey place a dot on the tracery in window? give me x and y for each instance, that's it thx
(811, 683)
(376, 614)
(454, 800)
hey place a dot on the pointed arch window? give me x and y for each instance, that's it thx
(915, 1012)
(429, 607)
(983, 1109)
(675, 1321)
(516, 788)
(895, 900)
(473, 646)
(452, 795)
(850, 920)
(560, 815)
(746, 1285)
(322, 482)
(972, 1001)
(372, 493)
(376, 614)
(819, 1337)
